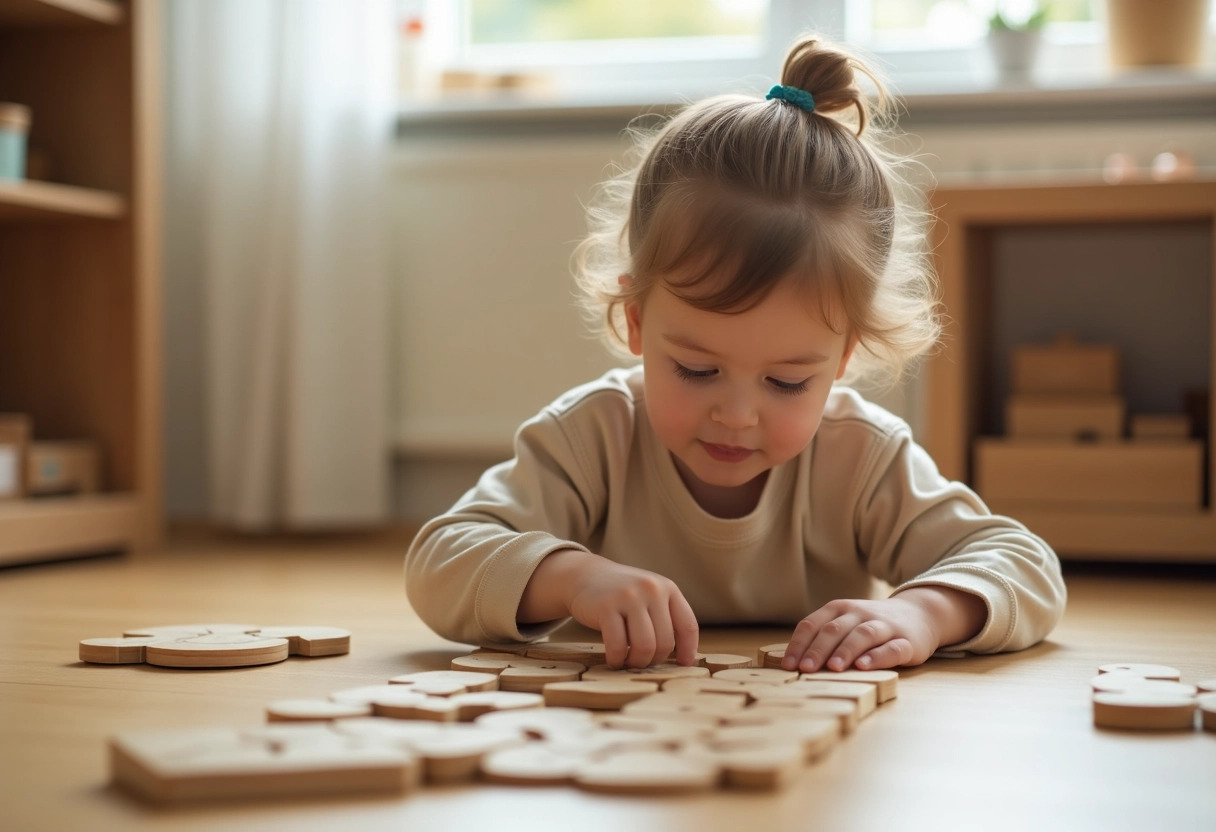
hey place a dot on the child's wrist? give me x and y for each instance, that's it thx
(954, 616)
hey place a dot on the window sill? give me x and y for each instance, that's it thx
(927, 99)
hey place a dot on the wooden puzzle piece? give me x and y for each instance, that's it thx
(175, 630)
(519, 673)
(813, 737)
(713, 662)
(399, 702)
(1121, 682)
(649, 772)
(865, 695)
(1150, 712)
(216, 650)
(313, 710)
(513, 648)
(1148, 671)
(760, 768)
(534, 764)
(709, 686)
(596, 695)
(657, 673)
(667, 732)
(770, 655)
(548, 723)
(446, 682)
(885, 681)
(311, 641)
(846, 711)
(399, 733)
(208, 763)
(757, 675)
(1207, 709)
(115, 650)
(214, 645)
(665, 705)
(454, 754)
(586, 653)
(1206, 685)
(471, 706)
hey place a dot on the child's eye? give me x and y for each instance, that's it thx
(789, 388)
(693, 375)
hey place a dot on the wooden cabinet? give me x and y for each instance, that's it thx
(79, 266)
(964, 378)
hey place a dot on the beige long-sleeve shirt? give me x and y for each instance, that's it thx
(863, 501)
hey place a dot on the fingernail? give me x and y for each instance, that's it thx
(836, 664)
(808, 665)
(864, 661)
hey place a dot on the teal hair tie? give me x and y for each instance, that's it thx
(799, 98)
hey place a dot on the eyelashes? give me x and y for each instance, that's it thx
(786, 388)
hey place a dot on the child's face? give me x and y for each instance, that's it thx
(732, 396)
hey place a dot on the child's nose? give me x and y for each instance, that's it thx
(735, 410)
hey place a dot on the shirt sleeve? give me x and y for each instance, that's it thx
(466, 570)
(916, 528)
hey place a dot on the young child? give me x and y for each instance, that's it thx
(762, 250)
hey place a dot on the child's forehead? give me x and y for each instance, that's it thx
(794, 317)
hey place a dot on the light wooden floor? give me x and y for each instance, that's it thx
(1001, 742)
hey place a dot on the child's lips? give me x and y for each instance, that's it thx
(727, 453)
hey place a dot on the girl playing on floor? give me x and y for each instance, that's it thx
(762, 250)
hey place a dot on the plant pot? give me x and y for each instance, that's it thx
(1013, 52)
(1155, 33)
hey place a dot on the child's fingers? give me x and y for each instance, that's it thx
(803, 635)
(896, 652)
(826, 641)
(664, 632)
(616, 643)
(641, 637)
(866, 635)
(686, 630)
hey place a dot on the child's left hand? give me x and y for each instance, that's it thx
(904, 629)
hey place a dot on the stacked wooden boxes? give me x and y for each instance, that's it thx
(1066, 443)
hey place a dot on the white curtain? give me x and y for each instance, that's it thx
(281, 115)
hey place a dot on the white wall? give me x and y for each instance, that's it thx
(487, 331)
(486, 227)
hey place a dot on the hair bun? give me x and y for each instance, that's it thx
(830, 75)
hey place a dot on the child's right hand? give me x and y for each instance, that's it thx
(642, 616)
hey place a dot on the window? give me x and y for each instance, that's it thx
(665, 50)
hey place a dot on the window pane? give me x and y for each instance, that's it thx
(957, 21)
(531, 21)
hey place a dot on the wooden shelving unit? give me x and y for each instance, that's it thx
(963, 237)
(79, 267)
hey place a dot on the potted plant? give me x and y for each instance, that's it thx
(1014, 44)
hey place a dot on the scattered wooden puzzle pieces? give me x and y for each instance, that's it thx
(214, 645)
(1150, 697)
(663, 729)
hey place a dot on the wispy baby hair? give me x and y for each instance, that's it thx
(735, 194)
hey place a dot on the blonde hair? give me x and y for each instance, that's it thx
(764, 191)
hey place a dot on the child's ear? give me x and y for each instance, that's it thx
(849, 346)
(633, 318)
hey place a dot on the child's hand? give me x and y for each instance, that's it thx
(642, 616)
(904, 629)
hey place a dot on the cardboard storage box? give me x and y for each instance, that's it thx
(1064, 417)
(14, 440)
(1164, 474)
(62, 468)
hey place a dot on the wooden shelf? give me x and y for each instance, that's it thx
(959, 375)
(29, 200)
(44, 529)
(59, 12)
